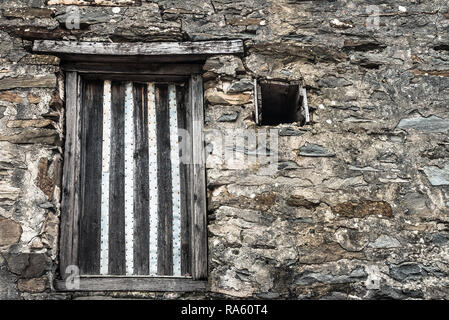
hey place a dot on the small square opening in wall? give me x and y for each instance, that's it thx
(280, 102)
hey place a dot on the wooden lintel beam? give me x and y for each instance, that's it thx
(139, 48)
(111, 283)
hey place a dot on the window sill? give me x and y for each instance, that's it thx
(135, 283)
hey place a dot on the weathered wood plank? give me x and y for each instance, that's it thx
(133, 68)
(167, 79)
(165, 213)
(70, 179)
(199, 213)
(185, 157)
(141, 190)
(90, 217)
(136, 284)
(139, 48)
(117, 182)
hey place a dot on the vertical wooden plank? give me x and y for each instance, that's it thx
(152, 178)
(176, 180)
(129, 178)
(70, 180)
(90, 215)
(141, 191)
(184, 125)
(106, 157)
(165, 214)
(199, 214)
(117, 182)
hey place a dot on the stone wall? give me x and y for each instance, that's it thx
(359, 207)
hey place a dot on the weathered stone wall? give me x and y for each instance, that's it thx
(360, 205)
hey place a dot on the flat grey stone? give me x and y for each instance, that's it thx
(314, 150)
(228, 117)
(437, 176)
(385, 242)
(289, 131)
(430, 124)
(242, 85)
(408, 270)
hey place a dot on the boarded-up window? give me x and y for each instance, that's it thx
(135, 215)
(134, 158)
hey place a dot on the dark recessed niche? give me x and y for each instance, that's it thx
(279, 102)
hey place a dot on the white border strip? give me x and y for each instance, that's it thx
(176, 180)
(106, 156)
(129, 178)
(152, 170)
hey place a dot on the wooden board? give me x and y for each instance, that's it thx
(165, 213)
(117, 182)
(141, 190)
(198, 197)
(90, 217)
(185, 163)
(139, 48)
(136, 284)
(70, 204)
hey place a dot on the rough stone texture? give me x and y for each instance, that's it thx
(437, 176)
(352, 209)
(35, 285)
(358, 208)
(10, 232)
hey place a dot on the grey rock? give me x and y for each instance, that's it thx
(287, 165)
(46, 205)
(430, 124)
(334, 82)
(289, 131)
(8, 289)
(242, 85)
(385, 242)
(438, 238)
(229, 117)
(406, 271)
(308, 277)
(2, 111)
(314, 150)
(415, 203)
(27, 265)
(268, 295)
(437, 176)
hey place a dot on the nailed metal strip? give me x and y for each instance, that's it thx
(129, 179)
(176, 180)
(106, 156)
(152, 170)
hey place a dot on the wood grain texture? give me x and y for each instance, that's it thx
(185, 156)
(117, 182)
(70, 179)
(199, 215)
(136, 284)
(90, 217)
(139, 48)
(133, 68)
(165, 213)
(141, 190)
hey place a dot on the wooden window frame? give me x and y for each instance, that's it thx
(156, 61)
(71, 200)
